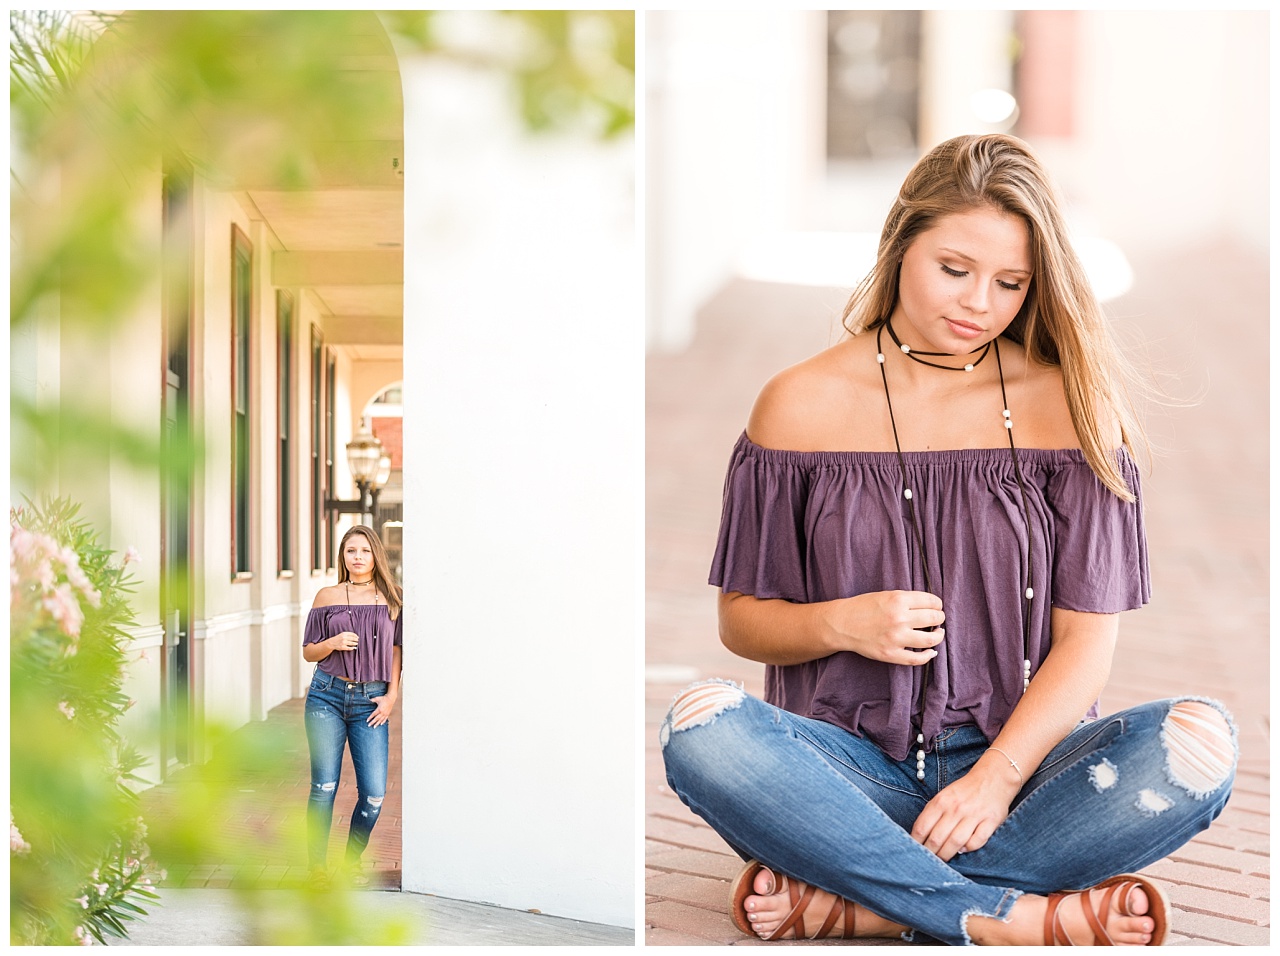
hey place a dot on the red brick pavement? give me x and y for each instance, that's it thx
(265, 818)
(1203, 316)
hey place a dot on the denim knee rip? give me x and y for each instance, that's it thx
(1103, 775)
(1152, 803)
(1200, 743)
(1003, 912)
(700, 704)
(375, 805)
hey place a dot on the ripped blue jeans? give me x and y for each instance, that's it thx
(817, 803)
(336, 715)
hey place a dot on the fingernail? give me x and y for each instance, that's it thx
(751, 906)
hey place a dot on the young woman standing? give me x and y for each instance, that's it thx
(354, 636)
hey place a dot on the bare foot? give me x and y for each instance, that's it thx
(770, 907)
(1026, 921)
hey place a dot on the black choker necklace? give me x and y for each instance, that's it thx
(911, 353)
(359, 584)
(1028, 592)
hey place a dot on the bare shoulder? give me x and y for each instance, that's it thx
(1050, 425)
(327, 596)
(805, 407)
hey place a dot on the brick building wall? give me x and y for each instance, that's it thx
(390, 432)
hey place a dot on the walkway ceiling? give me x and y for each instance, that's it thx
(342, 237)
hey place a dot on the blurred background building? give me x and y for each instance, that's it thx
(777, 140)
(270, 338)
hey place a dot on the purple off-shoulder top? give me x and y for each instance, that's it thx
(816, 526)
(371, 660)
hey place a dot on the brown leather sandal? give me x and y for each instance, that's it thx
(1055, 934)
(744, 886)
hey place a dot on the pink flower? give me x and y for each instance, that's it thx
(82, 937)
(71, 564)
(101, 888)
(65, 609)
(67, 709)
(16, 843)
(131, 555)
(83, 901)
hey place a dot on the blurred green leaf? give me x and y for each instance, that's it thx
(100, 105)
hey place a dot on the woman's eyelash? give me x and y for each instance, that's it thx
(1011, 286)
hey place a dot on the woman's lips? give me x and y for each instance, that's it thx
(963, 329)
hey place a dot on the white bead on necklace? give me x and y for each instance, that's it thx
(907, 494)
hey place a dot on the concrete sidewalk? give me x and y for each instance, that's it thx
(198, 897)
(213, 918)
(1204, 315)
(267, 818)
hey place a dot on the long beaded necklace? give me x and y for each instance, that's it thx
(1028, 591)
(360, 584)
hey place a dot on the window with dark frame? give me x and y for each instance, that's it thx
(318, 454)
(330, 442)
(873, 84)
(284, 474)
(241, 397)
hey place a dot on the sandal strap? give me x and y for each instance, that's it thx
(1126, 890)
(833, 914)
(1093, 915)
(1055, 933)
(800, 904)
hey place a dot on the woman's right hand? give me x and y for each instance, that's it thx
(345, 641)
(886, 625)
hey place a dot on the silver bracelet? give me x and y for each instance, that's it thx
(1013, 763)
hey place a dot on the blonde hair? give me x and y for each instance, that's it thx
(382, 579)
(1060, 323)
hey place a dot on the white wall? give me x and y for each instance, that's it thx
(1174, 125)
(962, 52)
(223, 616)
(735, 147)
(522, 509)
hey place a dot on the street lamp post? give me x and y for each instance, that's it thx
(364, 455)
(379, 482)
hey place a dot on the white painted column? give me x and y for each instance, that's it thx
(735, 148)
(523, 398)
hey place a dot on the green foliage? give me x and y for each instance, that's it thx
(78, 861)
(571, 70)
(185, 830)
(98, 102)
(80, 865)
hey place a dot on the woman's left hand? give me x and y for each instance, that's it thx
(962, 816)
(384, 706)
